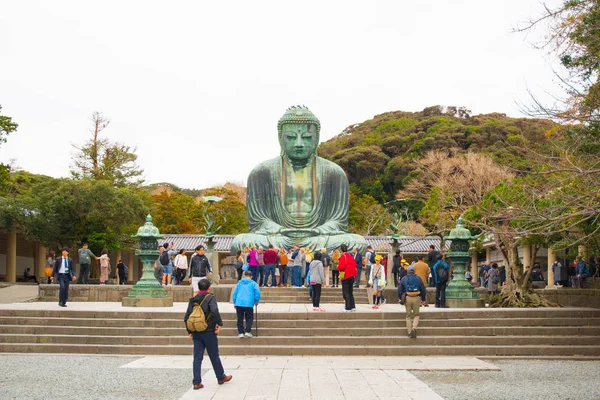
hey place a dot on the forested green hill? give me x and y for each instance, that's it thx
(377, 154)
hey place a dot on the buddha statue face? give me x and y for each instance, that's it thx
(299, 141)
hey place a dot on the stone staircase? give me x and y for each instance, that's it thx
(300, 295)
(483, 333)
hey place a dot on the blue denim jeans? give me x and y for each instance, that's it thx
(254, 270)
(206, 340)
(261, 274)
(283, 275)
(297, 277)
(269, 270)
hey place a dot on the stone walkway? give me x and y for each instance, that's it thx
(289, 378)
(18, 293)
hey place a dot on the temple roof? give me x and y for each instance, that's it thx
(408, 244)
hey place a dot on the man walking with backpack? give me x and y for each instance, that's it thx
(203, 322)
(413, 288)
(200, 268)
(441, 273)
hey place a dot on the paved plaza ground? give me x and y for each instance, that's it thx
(287, 378)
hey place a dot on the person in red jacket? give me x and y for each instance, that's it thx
(270, 258)
(347, 265)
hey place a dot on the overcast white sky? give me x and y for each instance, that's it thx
(199, 86)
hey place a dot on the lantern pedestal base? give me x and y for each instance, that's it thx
(147, 302)
(465, 303)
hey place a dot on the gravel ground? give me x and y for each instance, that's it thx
(520, 379)
(51, 377)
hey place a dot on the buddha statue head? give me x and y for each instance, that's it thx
(299, 131)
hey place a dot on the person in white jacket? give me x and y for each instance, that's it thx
(377, 281)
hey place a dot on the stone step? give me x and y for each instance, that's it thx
(231, 330)
(482, 314)
(353, 350)
(396, 340)
(230, 319)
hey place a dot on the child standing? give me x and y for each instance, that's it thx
(245, 296)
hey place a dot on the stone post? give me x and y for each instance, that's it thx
(11, 255)
(550, 274)
(526, 256)
(474, 268)
(132, 263)
(213, 258)
(41, 262)
(488, 255)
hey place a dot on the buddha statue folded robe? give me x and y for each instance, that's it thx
(307, 206)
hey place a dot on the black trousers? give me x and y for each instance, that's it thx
(347, 292)
(122, 277)
(316, 294)
(64, 280)
(84, 274)
(335, 281)
(244, 313)
(240, 272)
(440, 294)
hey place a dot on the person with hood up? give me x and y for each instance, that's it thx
(245, 295)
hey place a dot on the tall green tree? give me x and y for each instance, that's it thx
(59, 212)
(103, 160)
(7, 126)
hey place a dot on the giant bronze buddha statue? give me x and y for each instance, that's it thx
(298, 197)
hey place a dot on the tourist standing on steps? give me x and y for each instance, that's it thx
(290, 268)
(181, 265)
(432, 256)
(270, 259)
(556, 270)
(347, 268)
(335, 274)
(441, 280)
(396, 266)
(326, 259)
(207, 339)
(64, 271)
(200, 268)
(245, 296)
(104, 267)
(238, 263)
(283, 267)
(369, 261)
(158, 265)
(422, 271)
(260, 258)
(49, 266)
(416, 295)
(122, 271)
(253, 263)
(307, 260)
(358, 260)
(493, 278)
(377, 281)
(581, 271)
(299, 261)
(85, 260)
(317, 278)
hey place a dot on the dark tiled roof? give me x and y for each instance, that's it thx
(409, 244)
(189, 242)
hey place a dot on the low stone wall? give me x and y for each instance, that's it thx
(115, 293)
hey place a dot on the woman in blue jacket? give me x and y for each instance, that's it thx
(245, 296)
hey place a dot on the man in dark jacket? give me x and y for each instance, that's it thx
(396, 266)
(64, 270)
(206, 339)
(200, 267)
(416, 294)
(358, 259)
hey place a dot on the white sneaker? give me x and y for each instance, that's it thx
(241, 336)
(354, 309)
(248, 334)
